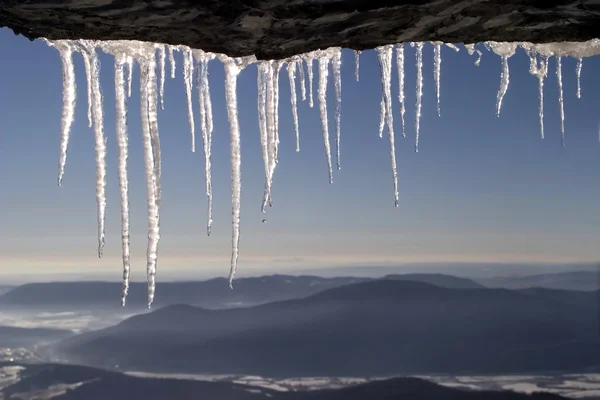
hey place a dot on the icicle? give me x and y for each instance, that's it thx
(261, 83)
(65, 50)
(322, 92)
(384, 54)
(171, 61)
(419, 54)
(162, 56)
(302, 79)
(122, 152)
(91, 58)
(357, 64)
(309, 66)
(129, 75)
(505, 51)
(206, 88)
(336, 62)
(203, 93)
(88, 77)
(147, 81)
(291, 70)
(271, 130)
(540, 73)
(579, 66)
(276, 68)
(153, 123)
(232, 70)
(560, 98)
(188, 78)
(503, 85)
(437, 62)
(400, 67)
(381, 116)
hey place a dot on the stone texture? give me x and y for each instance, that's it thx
(280, 28)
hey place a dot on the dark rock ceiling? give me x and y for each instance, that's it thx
(280, 28)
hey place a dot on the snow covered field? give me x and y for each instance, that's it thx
(579, 386)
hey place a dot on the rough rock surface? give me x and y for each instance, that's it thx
(280, 28)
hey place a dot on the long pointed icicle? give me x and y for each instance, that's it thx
(232, 70)
(400, 68)
(419, 90)
(147, 78)
(309, 67)
(437, 63)
(204, 97)
(560, 98)
(91, 57)
(540, 72)
(336, 62)
(261, 83)
(65, 50)
(188, 79)
(579, 67)
(153, 124)
(384, 54)
(322, 93)
(122, 154)
(270, 125)
(162, 57)
(503, 84)
(276, 68)
(357, 64)
(291, 70)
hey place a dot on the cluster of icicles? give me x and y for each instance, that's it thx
(195, 63)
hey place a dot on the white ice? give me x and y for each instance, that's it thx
(384, 54)
(309, 66)
(336, 62)
(323, 60)
(540, 72)
(203, 93)
(561, 101)
(65, 49)
(579, 67)
(400, 68)
(437, 64)
(505, 51)
(122, 152)
(419, 90)
(88, 49)
(291, 70)
(188, 79)
(232, 70)
(162, 56)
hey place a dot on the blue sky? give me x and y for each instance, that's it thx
(480, 189)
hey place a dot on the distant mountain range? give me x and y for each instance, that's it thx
(373, 328)
(13, 337)
(67, 382)
(214, 293)
(573, 280)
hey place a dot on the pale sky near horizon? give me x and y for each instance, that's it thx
(481, 188)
